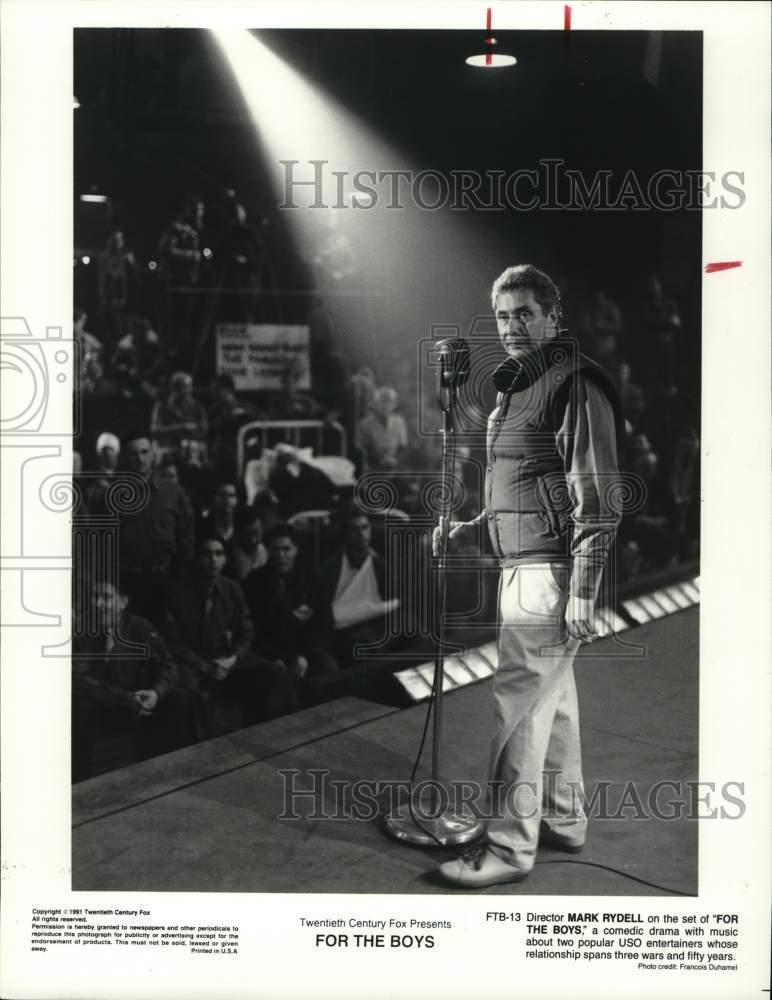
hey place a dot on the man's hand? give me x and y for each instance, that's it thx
(580, 618)
(298, 666)
(146, 701)
(223, 666)
(457, 529)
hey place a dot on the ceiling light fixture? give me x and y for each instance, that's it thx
(490, 59)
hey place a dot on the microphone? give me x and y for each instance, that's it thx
(454, 360)
(505, 376)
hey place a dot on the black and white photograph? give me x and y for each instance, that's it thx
(407, 557)
(304, 262)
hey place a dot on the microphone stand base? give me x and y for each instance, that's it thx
(449, 828)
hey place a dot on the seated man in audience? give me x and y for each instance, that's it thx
(108, 449)
(118, 690)
(195, 474)
(155, 528)
(249, 552)
(355, 587)
(210, 633)
(219, 518)
(179, 415)
(293, 624)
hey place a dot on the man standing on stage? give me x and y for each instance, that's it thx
(550, 477)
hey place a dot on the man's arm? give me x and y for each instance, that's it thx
(177, 638)
(586, 441)
(86, 685)
(168, 674)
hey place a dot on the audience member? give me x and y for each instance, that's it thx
(654, 527)
(684, 481)
(90, 369)
(240, 257)
(180, 258)
(168, 469)
(179, 415)
(293, 623)
(249, 552)
(354, 586)
(124, 682)
(220, 519)
(108, 450)
(116, 269)
(210, 632)
(196, 476)
(659, 330)
(383, 433)
(266, 505)
(155, 533)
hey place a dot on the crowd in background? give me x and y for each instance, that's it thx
(251, 595)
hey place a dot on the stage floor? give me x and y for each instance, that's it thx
(205, 819)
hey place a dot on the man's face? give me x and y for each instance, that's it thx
(250, 536)
(385, 405)
(184, 387)
(139, 455)
(282, 551)
(109, 605)
(226, 499)
(170, 473)
(521, 322)
(108, 457)
(192, 451)
(211, 557)
(358, 534)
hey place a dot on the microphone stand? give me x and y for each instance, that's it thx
(448, 826)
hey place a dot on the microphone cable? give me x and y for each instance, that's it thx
(451, 452)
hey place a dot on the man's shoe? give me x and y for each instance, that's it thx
(548, 838)
(479, 867)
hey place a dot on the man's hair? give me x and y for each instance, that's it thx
(209, 536)
(219, 483)
(136, 434)
(281, 531)
(386, 392)
(116, 582)
(178, 379)
(525, 277)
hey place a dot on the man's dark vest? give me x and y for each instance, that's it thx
(527, 502)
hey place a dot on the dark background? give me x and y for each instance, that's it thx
(161, 116)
